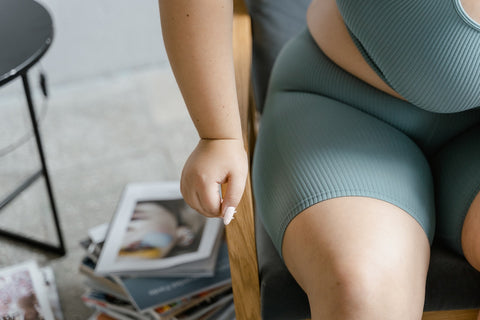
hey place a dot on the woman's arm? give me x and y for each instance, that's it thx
(198, 40)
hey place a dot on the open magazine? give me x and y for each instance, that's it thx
(154, 232)
(28, 292)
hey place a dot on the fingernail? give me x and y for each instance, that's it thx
(228, 216)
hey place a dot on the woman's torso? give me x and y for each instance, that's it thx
(330, 32)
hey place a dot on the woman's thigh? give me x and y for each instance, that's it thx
(456, 170)
(358, 257)
(348, 202)
(311, 149)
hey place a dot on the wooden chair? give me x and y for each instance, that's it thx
(241, 233)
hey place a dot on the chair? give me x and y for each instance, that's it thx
(262, 286)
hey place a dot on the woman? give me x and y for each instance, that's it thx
(366, 147)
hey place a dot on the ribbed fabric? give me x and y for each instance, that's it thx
(326, 134)
(427, 51)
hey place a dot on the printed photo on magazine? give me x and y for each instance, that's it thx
(154, 229)
(23, 294)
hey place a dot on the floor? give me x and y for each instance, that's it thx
(98, 136)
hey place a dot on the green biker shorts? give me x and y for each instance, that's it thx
(325, 133)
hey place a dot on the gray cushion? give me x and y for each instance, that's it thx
(451, 284)
(281, 296)
(273, 23)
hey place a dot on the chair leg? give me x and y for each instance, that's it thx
(470, 314)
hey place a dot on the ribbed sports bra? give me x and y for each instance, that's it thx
(426, 50)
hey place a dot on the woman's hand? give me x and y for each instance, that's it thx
(212, 163)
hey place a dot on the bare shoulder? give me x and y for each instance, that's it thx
(472, 8)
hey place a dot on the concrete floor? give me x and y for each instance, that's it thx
(98, 136)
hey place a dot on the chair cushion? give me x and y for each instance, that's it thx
(451, 284)
(273, 23)
(281, 296)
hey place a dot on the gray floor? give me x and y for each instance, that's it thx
(98, 135)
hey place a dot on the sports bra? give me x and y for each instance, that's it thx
(426, 50)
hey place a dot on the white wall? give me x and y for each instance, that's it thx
(99, 37)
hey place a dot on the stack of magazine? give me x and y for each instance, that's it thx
(28, 292)
(157, 259)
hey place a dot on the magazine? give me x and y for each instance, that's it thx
(23, 294)
(105, 302)
(109, 299)
(150, 292)
(94, 242)
(201, 309)
(154, 231)
(99, 315)
(52, 293)
(226, 312)
(168, 311)
(98, 233)
(200, 268)
(106, 284)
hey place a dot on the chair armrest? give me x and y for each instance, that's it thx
(241, 232)
(451, 315)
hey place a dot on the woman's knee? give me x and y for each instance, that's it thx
(358, 256)
(373, 286)
(358, 281)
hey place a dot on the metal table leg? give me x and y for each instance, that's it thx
(60, 248)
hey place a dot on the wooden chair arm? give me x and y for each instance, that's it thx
(241, 232)
(451, 315)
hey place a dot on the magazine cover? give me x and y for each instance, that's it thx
(147, 293)
(153, 228)
(23, 294)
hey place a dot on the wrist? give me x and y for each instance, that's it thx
(221, 144)
(226, 138)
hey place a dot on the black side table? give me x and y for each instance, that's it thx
(26, 32)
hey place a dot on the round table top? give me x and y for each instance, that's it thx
(26, 32)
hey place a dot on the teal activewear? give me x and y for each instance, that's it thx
(427, 51)
(324, 134)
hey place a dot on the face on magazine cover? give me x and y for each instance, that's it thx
(29, 305)
(17, 297)
(153, 231)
